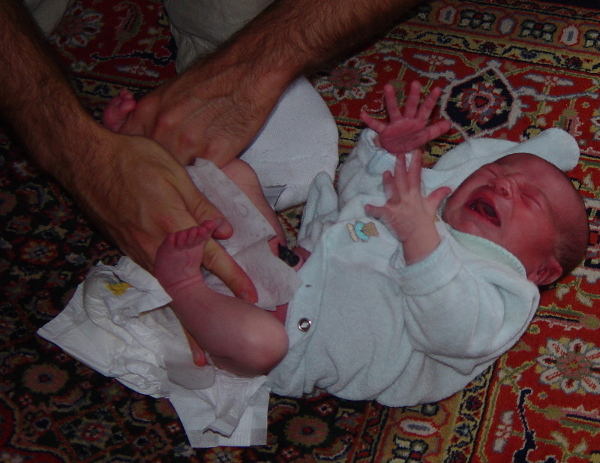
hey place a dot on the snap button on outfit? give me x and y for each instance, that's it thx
(304, 324)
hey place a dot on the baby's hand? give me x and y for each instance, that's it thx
(406, 132)
(407, 213)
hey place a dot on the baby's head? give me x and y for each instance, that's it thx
(529, 207)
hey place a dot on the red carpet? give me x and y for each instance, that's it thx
(509, 68)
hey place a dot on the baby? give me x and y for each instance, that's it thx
(406, 296)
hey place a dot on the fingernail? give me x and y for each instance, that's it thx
(222, 226)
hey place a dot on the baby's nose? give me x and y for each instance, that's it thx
(501, 186)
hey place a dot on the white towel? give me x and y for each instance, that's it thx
(199, 26)
(299, 140)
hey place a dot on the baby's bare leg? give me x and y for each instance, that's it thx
(238, 336)
(240, 173)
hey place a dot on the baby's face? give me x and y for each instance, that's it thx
(516, 203)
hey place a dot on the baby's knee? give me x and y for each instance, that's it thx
(269, 346)
(241, 173)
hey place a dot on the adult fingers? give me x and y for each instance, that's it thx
(217, 261)
(215, 258)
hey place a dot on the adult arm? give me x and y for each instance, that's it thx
(215, 109)
(131, 188)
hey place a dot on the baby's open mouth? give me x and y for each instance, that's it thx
(487, 210)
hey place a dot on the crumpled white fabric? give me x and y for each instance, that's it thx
(200, 26)
(118, 323)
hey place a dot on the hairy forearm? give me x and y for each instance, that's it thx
(36, 99)
(237, 86)
(297, 36)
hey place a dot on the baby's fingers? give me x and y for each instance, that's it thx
(390, 186)
(391, 102)
(436, 197)
(437, 129)
(374, 124)
(401, 176)
(414, 170)
(426, 108)
(374, 211)
(411, 107)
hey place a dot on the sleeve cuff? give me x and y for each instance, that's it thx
(429, 274)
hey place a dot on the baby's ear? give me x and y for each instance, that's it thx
(546, 273)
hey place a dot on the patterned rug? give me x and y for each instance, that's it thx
(510, 68)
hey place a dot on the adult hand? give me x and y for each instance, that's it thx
(136, 193)
(130, 187)
(215, 109)
(214, 120)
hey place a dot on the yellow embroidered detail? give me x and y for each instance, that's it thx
(118, 289)
(361, 231)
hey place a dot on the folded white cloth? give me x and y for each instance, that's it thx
(553, 144)
(119, 324)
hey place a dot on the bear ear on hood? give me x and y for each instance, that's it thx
(554, 145)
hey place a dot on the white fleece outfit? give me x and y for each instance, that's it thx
(363, 325)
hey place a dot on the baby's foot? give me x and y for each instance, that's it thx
(179, 256)
(118, 109)
(178, 261)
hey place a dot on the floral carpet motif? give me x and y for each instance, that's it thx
(509, 69)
